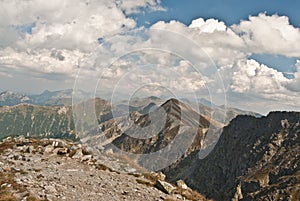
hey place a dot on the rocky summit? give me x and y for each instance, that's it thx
(170, 131)
(254, 159)
(51, 169)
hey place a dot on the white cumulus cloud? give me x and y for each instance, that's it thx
(251, 77)
(270, 34)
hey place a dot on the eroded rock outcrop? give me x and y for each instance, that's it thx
(255, 159)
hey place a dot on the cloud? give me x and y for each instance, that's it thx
(251, 77)
(44, 61)
(133, 6)
(73, 24)
(220, 43)
(208, 26)
(294, 85)
(53, 36)
(50, 39)
(257, 87)
(230, 50)
(269, 34)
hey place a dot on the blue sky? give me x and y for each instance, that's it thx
(229, 11)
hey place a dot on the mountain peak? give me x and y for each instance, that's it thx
(171, 103)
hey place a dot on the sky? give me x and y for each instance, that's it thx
(243, 54)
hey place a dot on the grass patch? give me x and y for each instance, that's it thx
(105, 168)
(190, 194)
(6, 195)
(33, 198)
(151, 176)
(6, 145)
(144, 182)
(72, 153)
(169, 198)
(5, 192)
(8, 178)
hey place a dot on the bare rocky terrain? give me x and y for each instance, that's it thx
(255, 159)
(49, 169)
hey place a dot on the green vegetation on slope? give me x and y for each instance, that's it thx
(37, 121)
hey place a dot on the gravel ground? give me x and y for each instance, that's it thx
(51, 174)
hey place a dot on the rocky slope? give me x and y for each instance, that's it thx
(49, 169)
(36, 121)
(255, 159)
(171, 131)
(53, 121)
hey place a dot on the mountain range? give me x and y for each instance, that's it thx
(46, 98)
(246, 157)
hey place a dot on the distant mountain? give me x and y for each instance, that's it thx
(10, 98)
(36, 121)
(55, 98)
(231, 113)
(154, 131)
(254, 159)
(120, 108)
(51, 121)
(47, 98)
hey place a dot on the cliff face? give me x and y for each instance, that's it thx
(254, 159)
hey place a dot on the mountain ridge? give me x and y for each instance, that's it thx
(254, 159)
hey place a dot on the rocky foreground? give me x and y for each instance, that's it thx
(51, 169)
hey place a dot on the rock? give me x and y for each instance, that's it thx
(78, 154)
(55, 151)
(8, 139)
(6, 168)
(86, 150)
(19, 157)
(19, 139)
(50, 189)
(158, 175)
(54, 177)
(49, 149)
(181, 184)
(250, 186)
(29, 149)
(161, 176)
(56, 144)
(86, 158)
(12, 156)
(51, 197)
(40, 150)
(238, 194)
(62, 151)
(130, 170)
(260, 154)
(164, 186)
